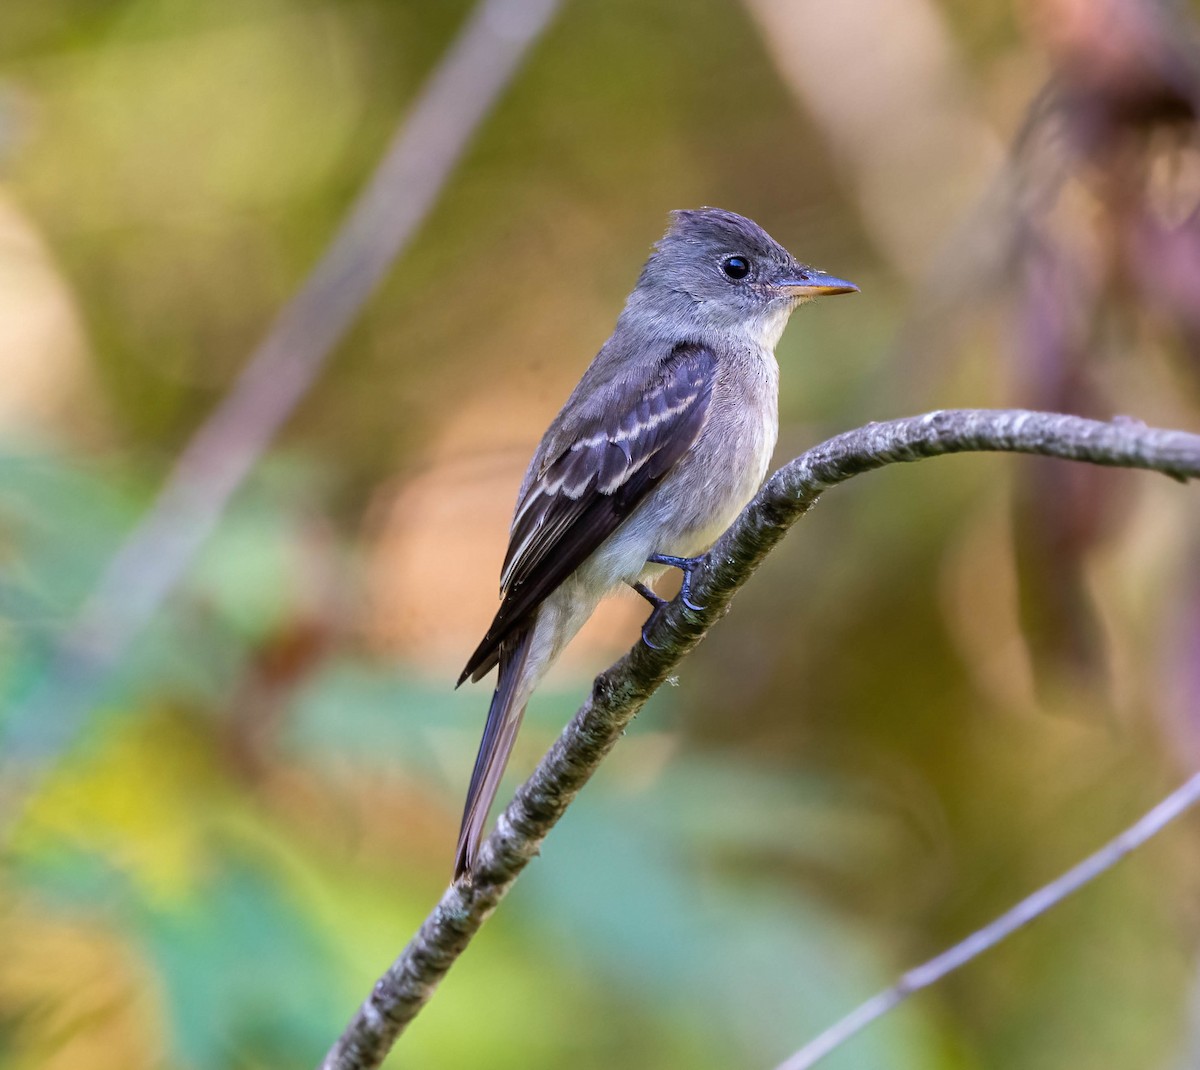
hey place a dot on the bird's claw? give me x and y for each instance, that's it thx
(658, 604)
(647, 627)
(686, 565)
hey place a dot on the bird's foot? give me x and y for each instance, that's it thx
(686, 565)
(658, 604)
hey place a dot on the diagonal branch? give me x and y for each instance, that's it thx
(1032, 906)
(620, 692)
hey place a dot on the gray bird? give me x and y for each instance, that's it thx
(665, 439)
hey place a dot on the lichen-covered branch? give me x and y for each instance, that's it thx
(620, 692)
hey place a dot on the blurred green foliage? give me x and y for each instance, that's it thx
(868, 759)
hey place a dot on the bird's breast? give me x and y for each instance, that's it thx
(728, 463)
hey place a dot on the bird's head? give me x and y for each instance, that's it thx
(733, 271)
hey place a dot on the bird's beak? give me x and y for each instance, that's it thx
(815, 284)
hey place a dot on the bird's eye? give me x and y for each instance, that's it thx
(736, 267)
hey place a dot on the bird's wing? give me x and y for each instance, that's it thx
(584, 492)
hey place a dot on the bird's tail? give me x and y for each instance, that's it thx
(503, 720)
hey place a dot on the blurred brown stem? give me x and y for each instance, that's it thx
(151, 561)
(620, 692)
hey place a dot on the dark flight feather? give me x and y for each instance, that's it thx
(499, 734)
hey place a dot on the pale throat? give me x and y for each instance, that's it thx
(767, 329)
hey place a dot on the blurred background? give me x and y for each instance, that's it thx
(949, 683)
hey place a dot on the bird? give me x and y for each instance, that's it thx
(664, 440)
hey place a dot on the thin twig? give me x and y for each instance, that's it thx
(150, 562)
(1150, 824)
(622, 690)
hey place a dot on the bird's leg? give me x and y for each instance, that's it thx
(686, 565)
(649, 595)
(658, 604)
